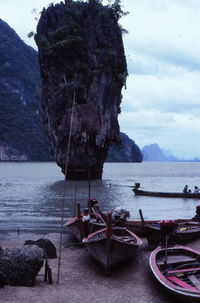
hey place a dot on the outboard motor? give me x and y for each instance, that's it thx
(136, 186)
(120, 215)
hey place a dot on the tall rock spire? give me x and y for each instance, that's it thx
(81, 53)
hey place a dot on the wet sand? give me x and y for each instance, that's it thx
(82, 279)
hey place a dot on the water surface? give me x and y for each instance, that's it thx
(32, 194)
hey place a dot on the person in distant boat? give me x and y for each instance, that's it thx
(185, 190)
(86, 221)
(196, 190)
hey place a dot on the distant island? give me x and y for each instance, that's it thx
(154, 153)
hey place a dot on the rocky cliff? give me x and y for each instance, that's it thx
(83, 69)
(125, 151)
(22, 135)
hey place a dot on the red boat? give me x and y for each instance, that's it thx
(76, 225)
(177, 268)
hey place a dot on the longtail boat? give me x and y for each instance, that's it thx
(98, 221)
(177, 268)
(138, 226)
(112, 245)
(76, 225)
(140, 192)
(183, 232)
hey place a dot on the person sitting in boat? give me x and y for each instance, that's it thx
(185, 190)
(86, 221)
(196, 190)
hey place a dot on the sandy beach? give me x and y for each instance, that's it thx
(82, 279)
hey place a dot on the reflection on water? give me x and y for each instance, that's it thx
(31, 194)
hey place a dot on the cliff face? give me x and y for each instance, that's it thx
(22, 135)
(8, 153)
(125, 151)
(81, 58)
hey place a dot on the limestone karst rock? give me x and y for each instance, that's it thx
(82, 62)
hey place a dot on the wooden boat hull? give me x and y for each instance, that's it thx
(75, 228)
(180, 275)
(183, 233)
(139, 228)
(139, 192)
(114, 249)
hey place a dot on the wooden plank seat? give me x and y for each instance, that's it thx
(176, 259)
(184, 270)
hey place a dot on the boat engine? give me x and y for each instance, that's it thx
(120, 215)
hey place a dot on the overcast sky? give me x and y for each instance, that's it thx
(162, 101)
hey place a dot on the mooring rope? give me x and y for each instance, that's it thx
(65, 185)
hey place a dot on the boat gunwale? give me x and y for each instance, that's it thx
(164, 281)
(89, 239)
(140, 192)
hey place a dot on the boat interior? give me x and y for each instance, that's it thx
(119, 233)
(180, 267)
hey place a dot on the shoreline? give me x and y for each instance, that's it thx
(82, 279)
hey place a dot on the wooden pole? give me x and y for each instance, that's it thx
(65, 185)
(89, 183)
(45, 272)
(108, 242)
(141, 216)
(109, 225)
(166, 244)
(78, 210)
(75, 198)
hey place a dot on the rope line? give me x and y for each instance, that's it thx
(65, 185)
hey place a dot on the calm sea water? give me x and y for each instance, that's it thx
(32, 194)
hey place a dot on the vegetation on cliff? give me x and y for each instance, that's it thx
(81, 54)
(21, 130)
